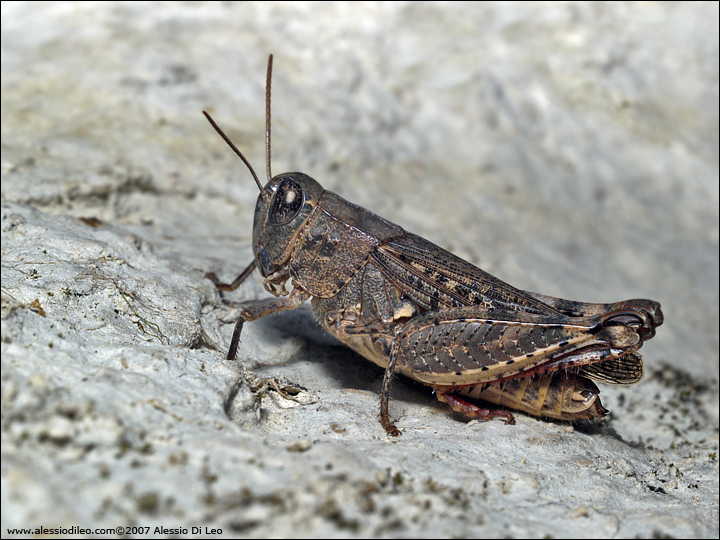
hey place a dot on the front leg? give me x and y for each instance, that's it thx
(275, 284)
(267, 307)
(212, 276)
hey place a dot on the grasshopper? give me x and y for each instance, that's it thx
(411, 307)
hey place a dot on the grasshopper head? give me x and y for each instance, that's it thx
(283, 207)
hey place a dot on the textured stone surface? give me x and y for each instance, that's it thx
(568, 148)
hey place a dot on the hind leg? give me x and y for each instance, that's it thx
(473, 411)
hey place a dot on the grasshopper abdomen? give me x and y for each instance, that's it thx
(560, 395)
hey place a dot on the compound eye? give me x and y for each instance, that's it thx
(286, 203)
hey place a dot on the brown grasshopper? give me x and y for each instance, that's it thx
(412, 307)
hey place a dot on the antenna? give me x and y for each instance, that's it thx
(267, 134)
(267, 117)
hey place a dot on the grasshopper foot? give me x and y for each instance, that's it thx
(390, 428)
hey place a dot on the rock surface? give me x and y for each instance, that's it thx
(568, 148)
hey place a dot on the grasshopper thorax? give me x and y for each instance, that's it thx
(282, 209)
